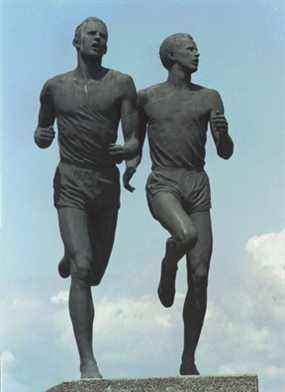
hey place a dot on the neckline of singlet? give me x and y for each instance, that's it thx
(89, 81)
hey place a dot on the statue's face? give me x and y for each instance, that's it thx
(93, 40)
(186, 54)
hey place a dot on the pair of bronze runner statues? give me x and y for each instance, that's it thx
(88, 104)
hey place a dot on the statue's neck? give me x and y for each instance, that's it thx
(89, 68)
(178, 77)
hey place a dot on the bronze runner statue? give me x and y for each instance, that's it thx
(88, 104)
(175, 114)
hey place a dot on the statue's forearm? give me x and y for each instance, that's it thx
(140, 138)
(134, 162)
(129, 128)
(136, 159)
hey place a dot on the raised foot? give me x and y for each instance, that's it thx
(64, 268)
(90, 370)
(166, 288)
(189, 370)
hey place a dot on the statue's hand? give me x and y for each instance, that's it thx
(44, 136)
(219, 123)
(123, 152)
(129, 172)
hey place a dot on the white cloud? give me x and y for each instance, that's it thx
(7, 356)
(243, 329)
(61, 298)
(266, 280)
(267, 256)
(124, 325)
(251, 316)
(27, 336)
(131, 314)
(135, 336)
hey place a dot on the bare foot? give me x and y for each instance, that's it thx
(189, 369)
(166, 288)
(90, 370)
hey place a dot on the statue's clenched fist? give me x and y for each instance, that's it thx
(129, 172)
(44, 136)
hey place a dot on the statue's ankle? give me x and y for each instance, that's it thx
(87, 362)
(188, 358)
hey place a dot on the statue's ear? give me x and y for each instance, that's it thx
(171, 55)
(106, 48)
(76, 43)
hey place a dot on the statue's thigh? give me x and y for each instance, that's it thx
(102, 228)
(73, 224)
(168, 210)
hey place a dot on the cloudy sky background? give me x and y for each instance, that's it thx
(243, 57)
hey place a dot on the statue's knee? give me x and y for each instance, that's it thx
(99, 272)
(97, 280)
(200, 280)
(187, 238)
(78, 283)
(80, 267)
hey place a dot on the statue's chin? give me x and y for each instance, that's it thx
(91, 56)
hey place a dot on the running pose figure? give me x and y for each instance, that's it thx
(88, 104)
(176, 115)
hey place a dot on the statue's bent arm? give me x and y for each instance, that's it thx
(219, 126)
(44, 133)
(141, 129)
(129, 118)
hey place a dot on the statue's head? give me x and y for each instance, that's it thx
(179, 49)
(90, 38)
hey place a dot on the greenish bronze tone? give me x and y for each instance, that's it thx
(88, 103)
(175, 114)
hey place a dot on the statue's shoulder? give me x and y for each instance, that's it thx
(151, 93)
(122, 83)
(206, 91)
(120, 77)
(59, 79)
(209, 98)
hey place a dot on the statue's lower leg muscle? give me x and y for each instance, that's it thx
(193, 316)
(81, 310)
(175, 249)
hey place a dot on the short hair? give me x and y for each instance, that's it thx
(77, 33)
(168, 45)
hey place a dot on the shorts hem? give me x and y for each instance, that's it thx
(205, 209)
(81, 208)
(59, 207)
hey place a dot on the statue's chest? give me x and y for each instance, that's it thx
(181, 107)
(73, 98)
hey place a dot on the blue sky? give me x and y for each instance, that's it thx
(242, 56)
